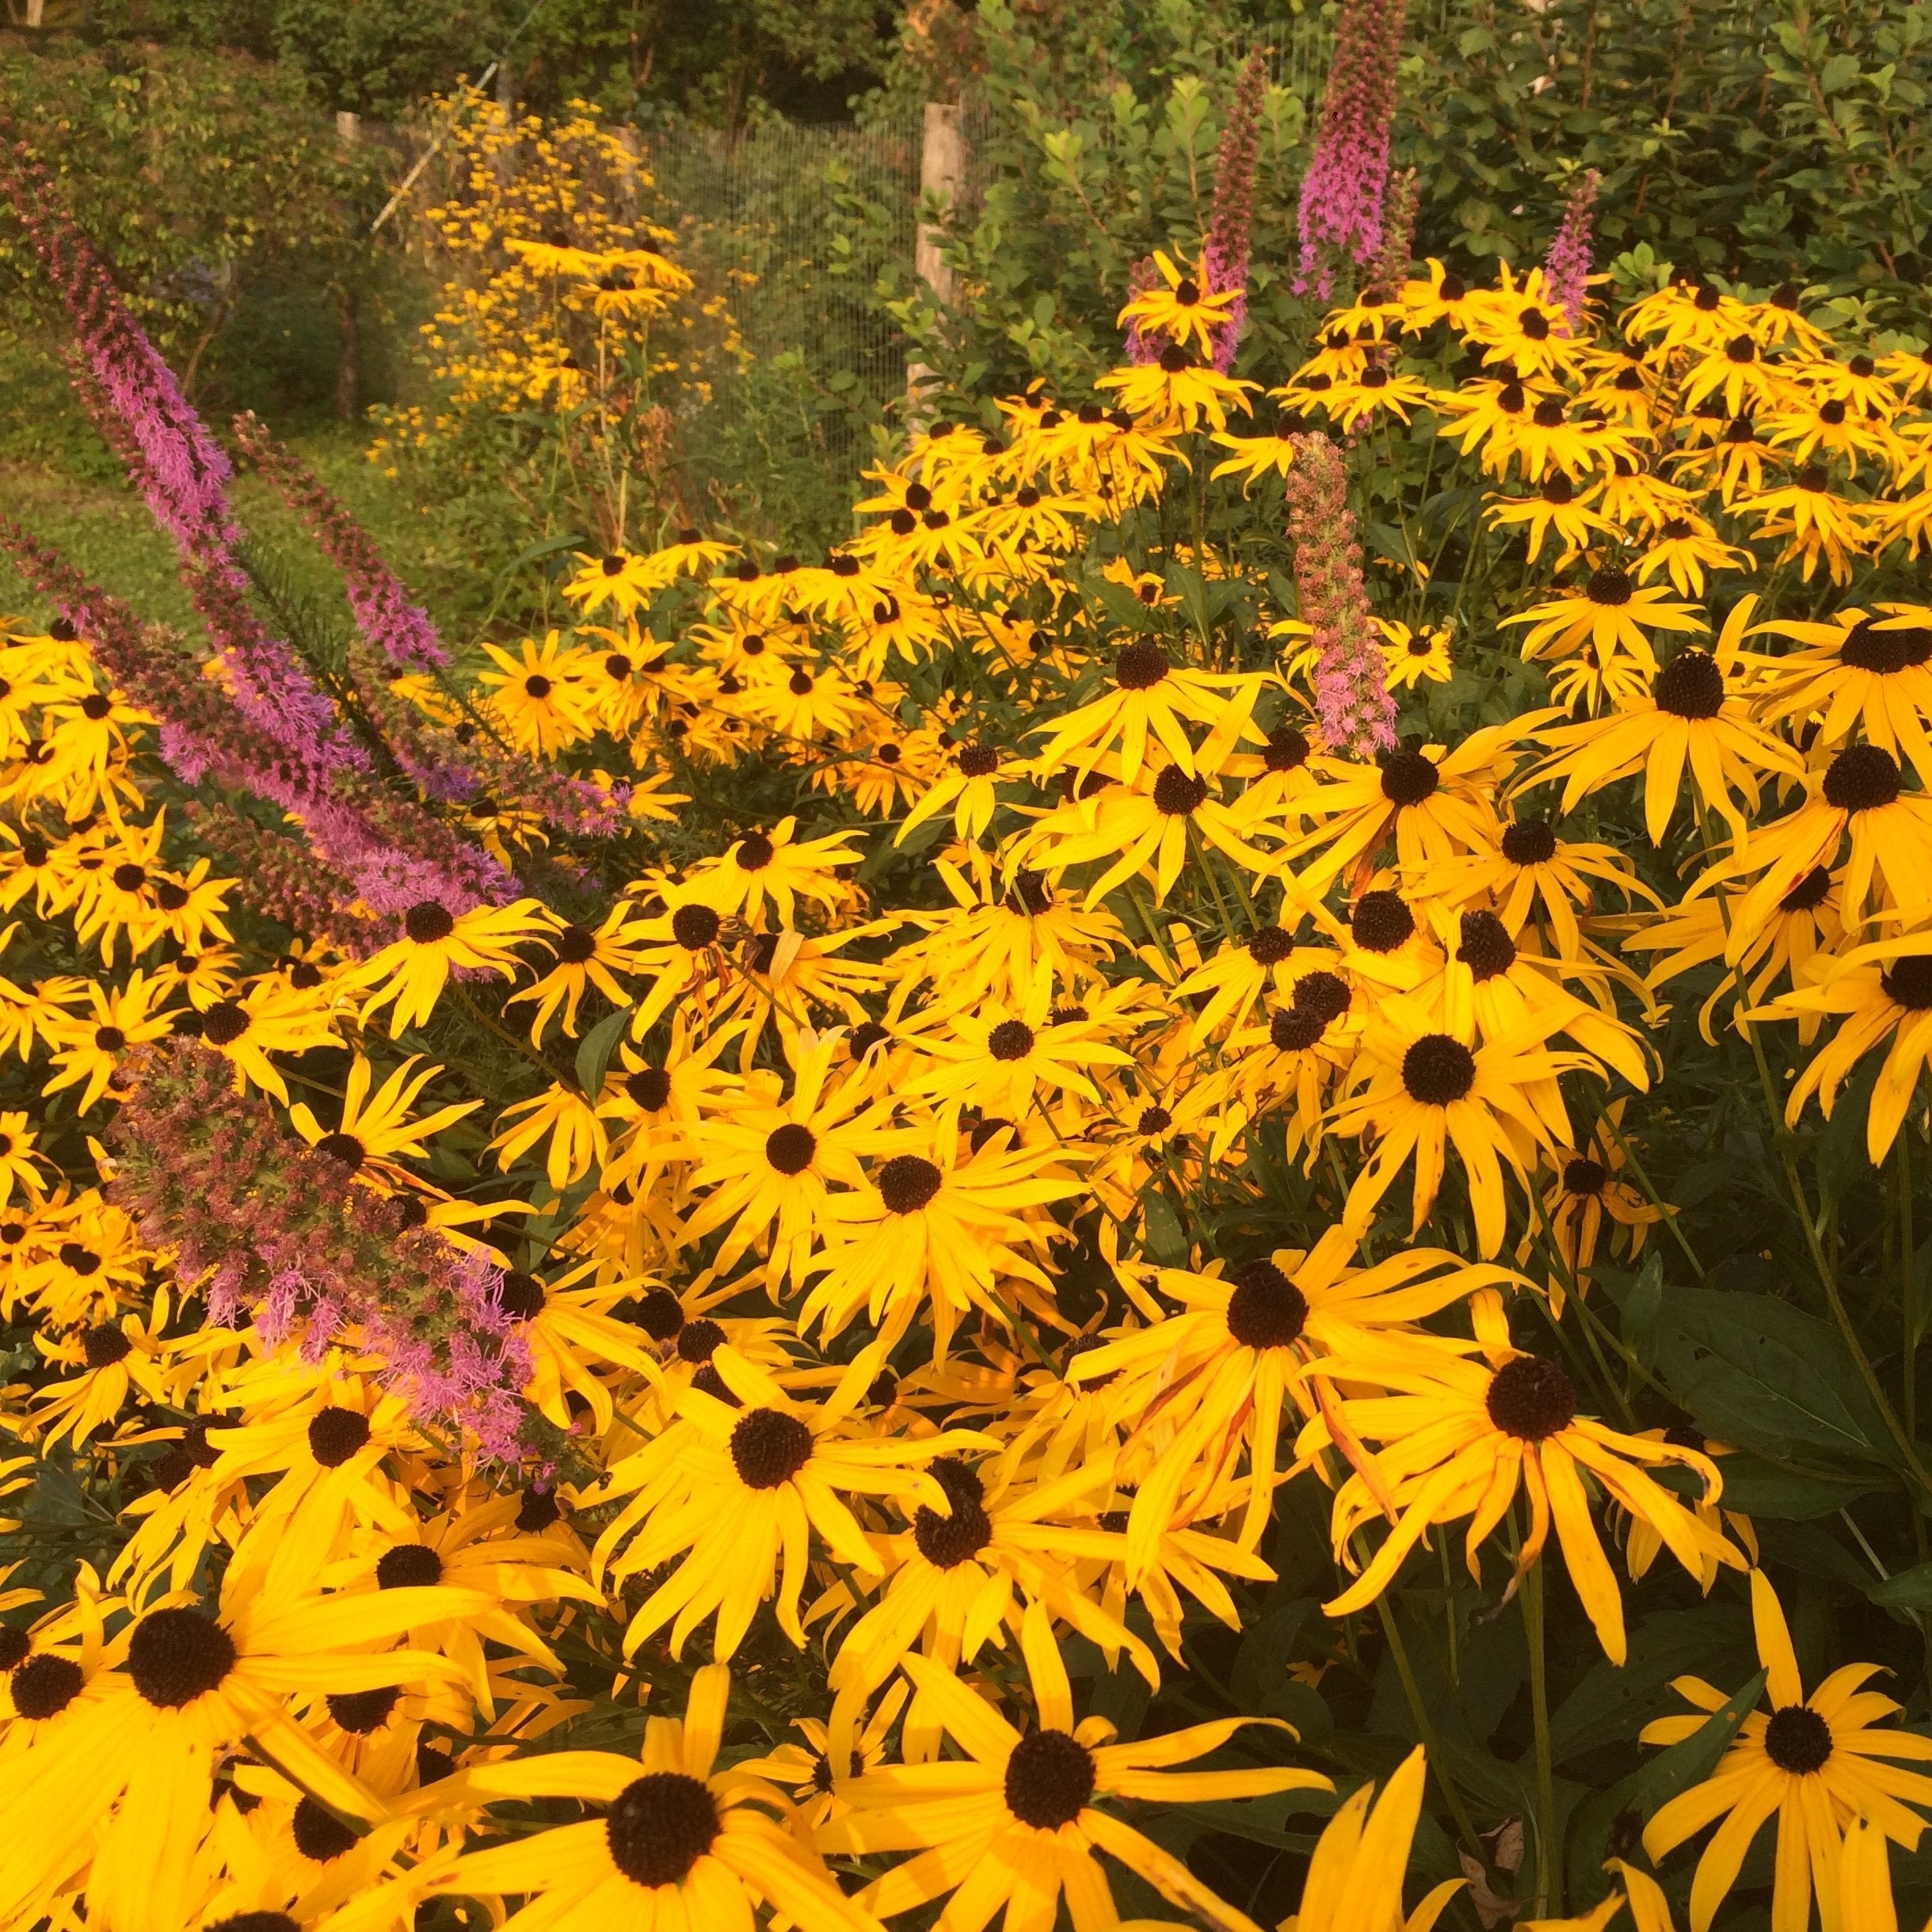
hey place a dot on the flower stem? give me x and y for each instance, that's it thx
(1828, 1278)
(1425, 1725)
(1549, 1871)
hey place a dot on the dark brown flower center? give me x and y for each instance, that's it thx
(1861, 778)
(947, 1541)
(104, 1345)
(907, 1182)
(1689, 686)
(1048, 1779)
(1141, 666)
(1012, 1039)
(1438, 1069)
(335, 1434)
(224, 1023)
(661, 1825)
(1809, 893)
(649, 1086)
(1266, 1310)
(696, 927)
(1409, 777)
(1178, 793)
(1797, 1740)
(789, 1148)
(320, 1834)
(698, 1341)
(1380, 921)
(1486, 947)
(520, 1295)
(1531, 1399)
(1530, 841)
(360, 1712)
(1907, 981)
(1286, 749)
(1609, 586)
(427, 921)
(1584, 1176)
(769, 1447)
(1270, 945)
(43, 1687)
(176, 1655)
(409, 1566)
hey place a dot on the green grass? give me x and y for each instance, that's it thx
(102, 528)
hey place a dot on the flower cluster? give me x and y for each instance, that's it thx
(1094, 1107)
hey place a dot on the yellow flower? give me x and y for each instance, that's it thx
(676, 1844)
(1813, 1763)
(1019, 1817)
(1354, 1878)
(412, 972)
(1459, 1438)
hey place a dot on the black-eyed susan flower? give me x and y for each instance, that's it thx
(373, 1129)
(1021, 1816)
(1199, 1383)
(408, 976)
(1812, 1763)
(1881, 995)
(1686, 721)
(540, 695)
(733, 1493)
(939, 1227)
(1415, 1091)
(1456, 1438)
(586, 956)
(674, 1843)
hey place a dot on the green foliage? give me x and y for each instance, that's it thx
(233, 216)
(1756, 142)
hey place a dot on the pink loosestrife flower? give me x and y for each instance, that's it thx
(1342, 194)
(1353, 706)
(1567, 266)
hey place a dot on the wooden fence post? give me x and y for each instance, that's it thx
(942, 174)
(348, 305)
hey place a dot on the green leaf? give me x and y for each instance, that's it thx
(1757, 1488)
(1609, 1705)
(1641, 1308)
(537, 552)
(1649, 1790)
(1839, 73)
(1909, 1589)
(1763, 1375)
(1166, 1244)
(1187, 584)
(598, 1048)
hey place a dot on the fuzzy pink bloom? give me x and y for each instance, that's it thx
(1353, 705)
(1341, 206)
(1567, 266)
(283, 1234)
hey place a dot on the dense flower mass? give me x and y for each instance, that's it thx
(1122, 1118)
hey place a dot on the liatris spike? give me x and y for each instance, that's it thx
(1567, 266)
(1341, 193)
(1393, 259)
(1352, 703)
(267, 1229)
(400, 630)
(182, 473)
(1226, 254)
